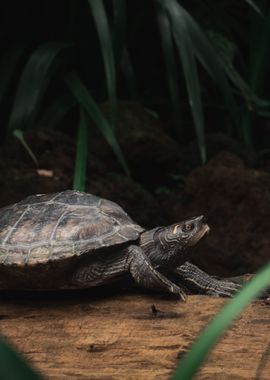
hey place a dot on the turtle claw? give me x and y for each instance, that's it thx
(179, 292)
(183, 296)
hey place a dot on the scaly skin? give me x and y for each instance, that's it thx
(163, 249)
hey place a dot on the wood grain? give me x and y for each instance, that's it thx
(121, 335)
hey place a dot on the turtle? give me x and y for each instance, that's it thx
(73, 239)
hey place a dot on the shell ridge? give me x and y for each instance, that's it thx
(52, 201)
(4, 242)
(56, 225)
(61, 242)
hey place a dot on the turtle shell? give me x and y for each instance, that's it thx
(53, 227)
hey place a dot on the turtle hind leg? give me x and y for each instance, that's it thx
(145, 275)
(198, 281)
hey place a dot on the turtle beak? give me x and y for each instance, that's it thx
(204, 226)
(200, 218)
(202, 230)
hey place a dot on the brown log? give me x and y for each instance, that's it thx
(130, 335)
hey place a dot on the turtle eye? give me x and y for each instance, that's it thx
(188, 227)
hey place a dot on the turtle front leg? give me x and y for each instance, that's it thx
(129, 260)
(144, 274)
(198, 281)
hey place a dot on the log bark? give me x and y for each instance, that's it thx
(107, 334)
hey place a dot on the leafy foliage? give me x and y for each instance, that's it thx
(101, 35)
(13, 366)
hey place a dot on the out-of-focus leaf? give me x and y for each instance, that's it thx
(180, 29)
(189, 365)
(226, 51)
(19, 135)
(264, 113)
(12, 366)
(56, 112)
(208, 58)
(33, 83)
(104, 35)
(81, 156)
(86, 101)
(254, 6)
(259, 38)
(260, 57)
(170, 61)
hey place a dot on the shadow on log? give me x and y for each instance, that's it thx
(108, 334)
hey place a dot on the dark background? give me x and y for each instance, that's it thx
(162, 141)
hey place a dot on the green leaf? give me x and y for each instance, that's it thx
(12, 366)
(254, 6)
(33, 83)
(104, 35)
(85, 99)
(81, 156)
(208, 57)
(226, 51)
(189, 365)
(19, 135)
(181, 32)
(260, 54)
(170, 61)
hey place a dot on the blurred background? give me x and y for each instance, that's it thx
(161, 106)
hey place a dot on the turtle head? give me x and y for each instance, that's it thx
(188, 232)
(168, 246)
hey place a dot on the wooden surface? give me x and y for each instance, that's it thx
(83, 335)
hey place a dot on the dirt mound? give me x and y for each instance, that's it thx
(236, 201)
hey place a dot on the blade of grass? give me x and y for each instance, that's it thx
(260, 54)
(33, 83)
(81, 155)
(12, 366)
(254, 6)
(226, 51)
(189, 365)
(104, 35)
(170, 62)
(258, 68)
(19, 135)
(205, 52)
(180, 31)
(85, 99)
